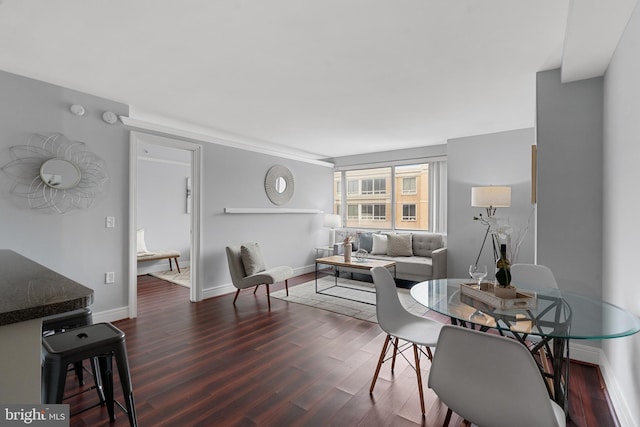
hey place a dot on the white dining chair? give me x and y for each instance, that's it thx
(490, 380)
(415, 331)
(533, 276)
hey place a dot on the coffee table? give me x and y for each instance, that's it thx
(337, 262)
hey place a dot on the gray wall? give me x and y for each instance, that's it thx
(621, 205)
(494, 159)
(76, 244)
(569, 138)
(79, 246)
(162, 177)
(235, 178)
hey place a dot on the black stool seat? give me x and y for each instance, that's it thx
(70, 320)
(101, 340)
(65, 321)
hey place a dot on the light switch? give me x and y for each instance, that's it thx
(110, 222)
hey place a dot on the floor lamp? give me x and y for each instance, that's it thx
(490, 198)
(332, 221)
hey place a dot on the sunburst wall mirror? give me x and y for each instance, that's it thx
(55, 174)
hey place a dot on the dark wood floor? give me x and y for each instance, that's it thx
(213, 364)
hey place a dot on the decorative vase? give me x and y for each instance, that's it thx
(347, 252)
(503, 274)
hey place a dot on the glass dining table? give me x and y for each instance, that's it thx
(545, 327)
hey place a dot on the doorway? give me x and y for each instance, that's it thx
(177, 222)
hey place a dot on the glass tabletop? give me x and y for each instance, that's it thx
(557, 314)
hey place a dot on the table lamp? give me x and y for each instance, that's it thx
(490, 198)
(332, 221)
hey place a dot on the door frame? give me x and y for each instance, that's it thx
(196, 214)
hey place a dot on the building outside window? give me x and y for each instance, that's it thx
(409, 185)
(409, 212)
(393, 197)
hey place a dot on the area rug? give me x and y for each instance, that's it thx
(182, 279)
(305, 293)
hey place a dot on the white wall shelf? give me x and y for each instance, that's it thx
(270, 211)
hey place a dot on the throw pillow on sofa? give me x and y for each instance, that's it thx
(399, 245)
(379, 246)
(365, 241)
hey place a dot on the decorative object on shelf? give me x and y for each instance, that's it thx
(278, 184)
(54, 174)
(491, 198)
(332, 221)
(347, 249)
(362, 255)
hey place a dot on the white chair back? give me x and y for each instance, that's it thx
(389, 311)
(532, 276)
(491, 380)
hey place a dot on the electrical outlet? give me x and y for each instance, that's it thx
(110, 222)
(109, 277)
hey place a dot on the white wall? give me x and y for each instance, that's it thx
(494, 159)
(235, 178)
(80, 247)
(621, 207)
(162, 179)
(569, 138)
(76, 244)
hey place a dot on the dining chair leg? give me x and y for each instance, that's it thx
(447, 418)
(395, 353)
(236, 297)
(380, 361)
(418, 374)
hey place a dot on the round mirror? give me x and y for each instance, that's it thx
(281, 184)
(59, 173)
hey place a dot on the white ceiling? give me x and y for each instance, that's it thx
(321, 78)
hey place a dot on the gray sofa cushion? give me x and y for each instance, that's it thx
(399, 245)
(423, 243)
(365, 241)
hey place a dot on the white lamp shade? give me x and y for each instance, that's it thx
(332, 221)
(492, 196)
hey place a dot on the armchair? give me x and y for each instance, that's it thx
(247, 270)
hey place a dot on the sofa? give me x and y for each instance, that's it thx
(419, 256)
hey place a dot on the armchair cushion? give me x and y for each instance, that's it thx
(251, 259)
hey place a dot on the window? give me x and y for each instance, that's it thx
(352, 187)
(352, 212)
(373, 212)
(409, 185)
(408, 212)
(404, 197)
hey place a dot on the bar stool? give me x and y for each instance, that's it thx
(101, 340)
(70, 320)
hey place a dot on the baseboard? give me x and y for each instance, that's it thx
(618, 400)
(111, 315)
(584, 353)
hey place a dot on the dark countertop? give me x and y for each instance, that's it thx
(29, 290)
